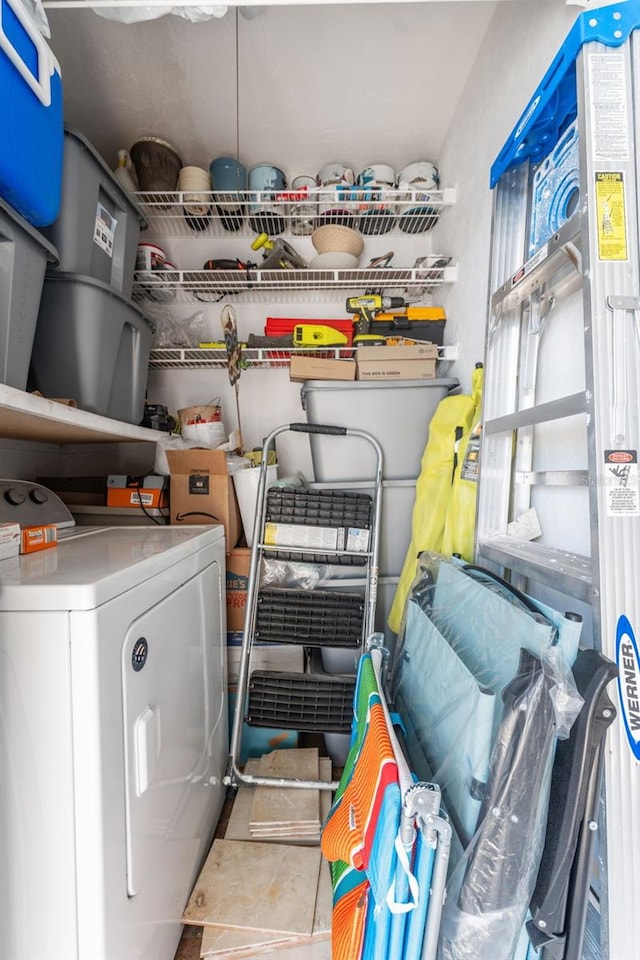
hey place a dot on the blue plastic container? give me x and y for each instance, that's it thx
(31, 127)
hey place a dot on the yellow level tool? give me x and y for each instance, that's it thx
(318, 335)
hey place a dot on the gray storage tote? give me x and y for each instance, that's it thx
(24, 254)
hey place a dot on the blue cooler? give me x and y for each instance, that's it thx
(31, 127)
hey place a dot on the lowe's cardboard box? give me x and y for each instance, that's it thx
(397, 363)
(238, 563)
(202, 491)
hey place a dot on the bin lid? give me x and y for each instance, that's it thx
(78, 279)
(354, 385)
(7, 211)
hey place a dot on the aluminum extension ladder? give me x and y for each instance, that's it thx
(561, 429)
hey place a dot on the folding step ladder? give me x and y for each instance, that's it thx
(337, 527)
(561, 428)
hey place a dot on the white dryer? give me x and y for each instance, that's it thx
(113, 739)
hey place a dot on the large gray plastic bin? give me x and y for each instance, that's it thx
(92, 345)
(98, 228)
(398, 498)
(396, 412)
(24, 254)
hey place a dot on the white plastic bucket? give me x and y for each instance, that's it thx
(246, 485)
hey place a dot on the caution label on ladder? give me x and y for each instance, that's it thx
(611, 214)
(621, 481)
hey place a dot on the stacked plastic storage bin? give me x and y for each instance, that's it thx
(30, 179)
(92, 343)
(397, 413)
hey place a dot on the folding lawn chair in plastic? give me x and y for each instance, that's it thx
(468, 635)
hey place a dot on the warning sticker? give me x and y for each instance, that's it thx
(611, 214)
(609, 115)
(471, 463)
(530, 265)
(621, 483)
(104, 230)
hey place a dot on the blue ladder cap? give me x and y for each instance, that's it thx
(554, 104)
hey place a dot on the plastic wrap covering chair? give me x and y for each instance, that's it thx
(559, 903)
(386, 840)
(495, 875)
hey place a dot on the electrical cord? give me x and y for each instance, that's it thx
(150, 516)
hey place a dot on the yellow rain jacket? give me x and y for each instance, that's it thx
(443, 518)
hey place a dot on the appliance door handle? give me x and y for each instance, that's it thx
(147, 748)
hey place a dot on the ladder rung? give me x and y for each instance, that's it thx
(557, 252)
(553, 478)
(313, 618)
(542, 413)
(566, 572)
(317, 703)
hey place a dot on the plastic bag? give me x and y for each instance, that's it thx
(137, 14)
(171, 332)
(38, 17)
(284, 573)
(168, 441)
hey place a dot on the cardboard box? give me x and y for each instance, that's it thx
(237, 579)
(397, 363)
(9, 540)
(39, 537)
(149, 497)
(202, 491)
(320, 368)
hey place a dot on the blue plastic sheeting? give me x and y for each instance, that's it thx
(553, 107)
(449, 718)
(466, 611)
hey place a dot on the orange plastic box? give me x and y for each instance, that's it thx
(38, 538)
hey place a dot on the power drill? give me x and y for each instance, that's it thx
(367, 307)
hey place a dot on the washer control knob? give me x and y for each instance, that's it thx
(15, 496)
(38, 495)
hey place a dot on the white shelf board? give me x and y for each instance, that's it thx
(25, 416)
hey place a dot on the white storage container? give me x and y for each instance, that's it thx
(246, 487)
(396, 412)
(341, 660)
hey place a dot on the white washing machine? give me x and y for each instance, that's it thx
(113, 736)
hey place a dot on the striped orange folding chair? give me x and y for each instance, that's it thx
(370, 837)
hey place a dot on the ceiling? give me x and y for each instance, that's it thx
(296, 86)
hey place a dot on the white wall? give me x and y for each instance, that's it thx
(520, 42)
(519, 45)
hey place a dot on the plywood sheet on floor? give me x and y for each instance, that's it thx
(280, 808)
(260, 886)
(238, 826)
(223, 944)
(316, 950)
(238, 944)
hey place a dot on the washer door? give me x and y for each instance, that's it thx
(174, 699)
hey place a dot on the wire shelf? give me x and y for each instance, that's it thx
(192, 358)
(295, 213)
(259, 286)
